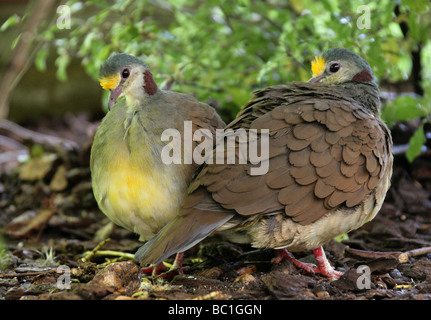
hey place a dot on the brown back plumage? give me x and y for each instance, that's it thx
(326, 151)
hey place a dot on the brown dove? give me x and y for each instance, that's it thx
(329, 167)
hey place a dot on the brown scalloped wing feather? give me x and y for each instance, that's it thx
(324, 153)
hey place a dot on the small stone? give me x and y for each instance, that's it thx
(322, 295)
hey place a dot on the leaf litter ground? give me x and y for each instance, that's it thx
(49, 218)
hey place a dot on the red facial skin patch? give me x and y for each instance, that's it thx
(150, 86)
(363, 76)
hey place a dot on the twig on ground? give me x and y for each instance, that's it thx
(402, 257)
(24, 136)
(92, 253)
(27, 274)
(110, 253)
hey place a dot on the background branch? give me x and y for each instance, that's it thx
(20, 61)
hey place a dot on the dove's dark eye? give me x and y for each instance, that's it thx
(333, 68)
(125, 73)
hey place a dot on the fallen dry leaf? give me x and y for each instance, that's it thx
(23, 225)
(37, 168)
(59, 180)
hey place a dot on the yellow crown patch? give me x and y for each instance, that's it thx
(318, 66)
(110, 83)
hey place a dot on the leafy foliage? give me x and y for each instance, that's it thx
(416, 143)
(221, 50)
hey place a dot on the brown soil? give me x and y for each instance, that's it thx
(49, 218)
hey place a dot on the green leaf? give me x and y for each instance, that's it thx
(104, 53)
(36, 150)
(62, 62)
(403, 108)
(417, 5)
(414, 27)
(15, 41)
(11, 21)
(416, 143)
(239, 95)
(40, 60)
(342, 237)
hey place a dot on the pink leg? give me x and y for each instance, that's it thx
(154, 269)
(323, 266)
(157, 271)
(177, 267)
(178, 263)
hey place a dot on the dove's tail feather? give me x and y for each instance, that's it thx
(180, 234)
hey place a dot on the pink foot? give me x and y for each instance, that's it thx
(282, 254)
(157, 271)
(177, 267)
(323, 266)
(154, 269)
